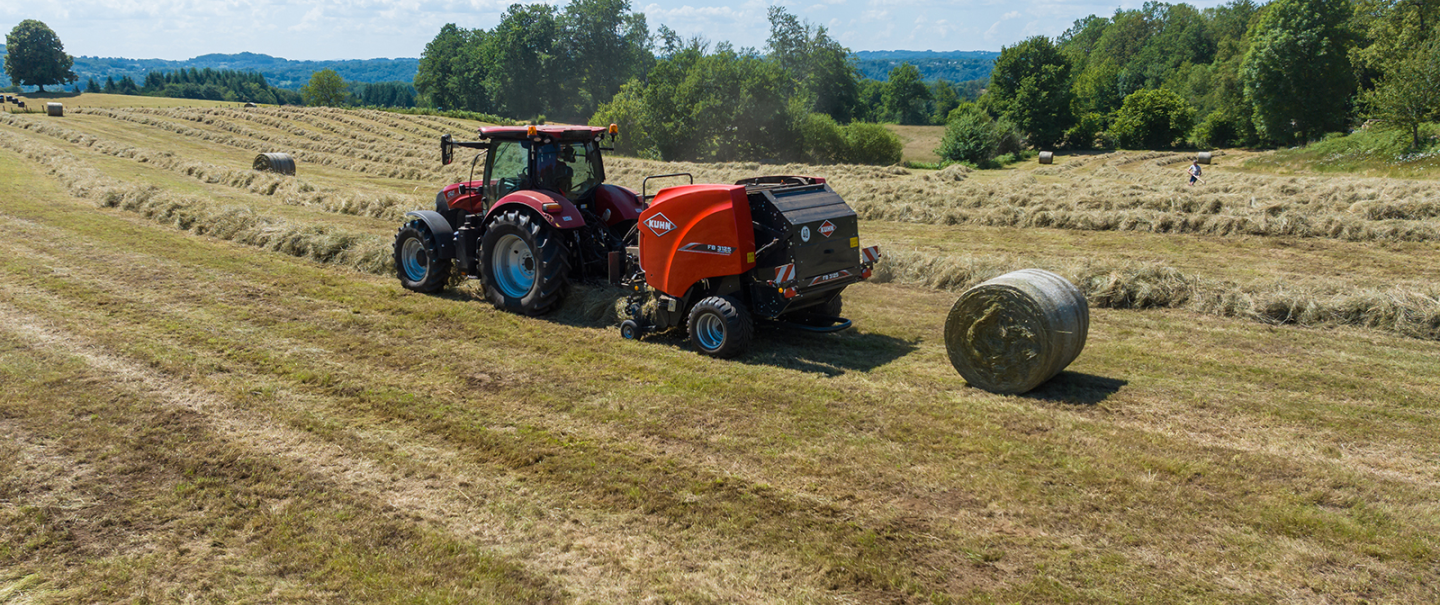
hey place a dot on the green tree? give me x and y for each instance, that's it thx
(1409, 95)
(1393, 29)
(91, 85)
(905, 96)
(1152, 119)
(945, 98)
(520, 55)
(1030, 86)
(451, 73)
(820, 68)
(325, 89)
(871, 143)
(36, 57)
(970, 136)
(603, 46)
(1297, 72)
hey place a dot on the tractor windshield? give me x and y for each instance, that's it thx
(571, 169)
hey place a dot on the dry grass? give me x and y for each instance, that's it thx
(186, 417)
(1125, 192)
(88, 99)
(920, 141)
(1411, 311)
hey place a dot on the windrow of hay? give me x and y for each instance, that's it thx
(363, 252)
(319, 133)
(289, 190)
(322, 153)
(1409, 311)
(1150, 199)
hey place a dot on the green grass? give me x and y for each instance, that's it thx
(1370, 151)
(185, 417)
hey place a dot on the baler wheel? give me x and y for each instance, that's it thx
(524, 264)
(720, 327)
(417, 260)
(629, 330)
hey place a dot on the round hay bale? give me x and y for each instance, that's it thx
(1047, 157)
(1012, 333)
(249, 105)
(55, 110)
(275, 162)
(1203, 157)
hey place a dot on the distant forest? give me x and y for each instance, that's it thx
(280, 73)
(954, 66)
(242, 87)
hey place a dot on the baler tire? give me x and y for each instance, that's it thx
(417, 260)
(720, 326)
(540, 280)
(629, 330)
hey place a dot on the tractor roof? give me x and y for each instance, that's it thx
(558, 133)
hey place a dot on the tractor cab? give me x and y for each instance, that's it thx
(565, 160)
(569, 168)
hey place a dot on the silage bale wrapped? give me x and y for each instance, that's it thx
(280, 163)
(1014, 332)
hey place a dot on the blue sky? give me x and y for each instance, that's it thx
(364, 29)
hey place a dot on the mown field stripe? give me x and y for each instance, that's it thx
(174, 510)
(705, 386)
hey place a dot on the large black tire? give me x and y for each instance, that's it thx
(524, 264)
(417, 259)
(720, 327)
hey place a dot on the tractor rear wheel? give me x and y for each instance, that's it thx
(417, 259)
(524, 264)
(720, 327)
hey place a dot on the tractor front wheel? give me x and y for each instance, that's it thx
(524, 264)
(417, 259)
(720, 327)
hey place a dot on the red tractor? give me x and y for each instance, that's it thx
(710, 256)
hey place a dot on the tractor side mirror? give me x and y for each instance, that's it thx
(447, 150)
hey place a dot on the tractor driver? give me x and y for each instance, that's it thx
(552, 168)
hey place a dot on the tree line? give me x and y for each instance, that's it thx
(209, 84)
(1239, 74)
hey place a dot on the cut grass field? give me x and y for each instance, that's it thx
(920, 142)
(259, 413)
(88, 99)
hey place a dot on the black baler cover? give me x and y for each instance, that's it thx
(793, 213)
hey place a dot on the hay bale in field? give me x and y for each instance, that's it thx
(275, 162)
(1047, 157)
(1011, 333)
(1203, 157)
(249, 105)
(55, 110)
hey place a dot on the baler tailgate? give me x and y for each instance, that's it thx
(819, 231)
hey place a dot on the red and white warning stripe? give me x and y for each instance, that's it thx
(871, 254)
(784, 273)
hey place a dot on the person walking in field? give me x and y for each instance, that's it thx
(1194, 171)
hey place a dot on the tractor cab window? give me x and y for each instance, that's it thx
(507, 168)
(570, 169)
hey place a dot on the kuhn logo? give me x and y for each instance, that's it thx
(826, 228)
(659, 225)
